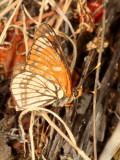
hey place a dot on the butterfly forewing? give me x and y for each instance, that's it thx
(47, 55)
(45, 77)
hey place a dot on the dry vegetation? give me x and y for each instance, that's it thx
(90, 129)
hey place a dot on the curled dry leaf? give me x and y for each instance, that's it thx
(93, 6)
(18, 147)
(10, 55)
(94, 14)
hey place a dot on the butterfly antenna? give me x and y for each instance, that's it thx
(93, 92)
(79, 89)
(98, 65)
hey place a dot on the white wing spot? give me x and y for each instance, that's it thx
(24, 80)
(45, 68)
(50, 78)
(47, 58)
(22, 85)
(27, 67)
(25, 73)
(57, 68)
(28, 77)
(60, 94)
(35, 47)
(41, 42)
(44, 42)
(52, 33)
(23, 95)
(46, 34)
(41, 72)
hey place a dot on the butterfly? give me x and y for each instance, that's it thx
(44, 79)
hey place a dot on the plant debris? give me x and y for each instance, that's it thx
(89, 34)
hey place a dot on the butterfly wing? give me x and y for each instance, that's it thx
(44, 78)
(47, 53)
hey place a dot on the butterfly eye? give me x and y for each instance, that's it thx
(77, 92)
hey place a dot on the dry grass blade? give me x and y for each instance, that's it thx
(66, 6)
(1, 3)
(42, 113)
(95, 88)
(41, 12)
(31, 134)
(6, 10)
(60, 12)
(65, 137)
(29, 16)
(25, 33)
(18, 2)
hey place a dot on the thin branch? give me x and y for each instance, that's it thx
(60, 12)
(24, 32)
(7, 9)
(18, 2)
(31, 134)
(41, 10)
(96, 85)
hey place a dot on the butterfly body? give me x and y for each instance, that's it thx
(45, 78)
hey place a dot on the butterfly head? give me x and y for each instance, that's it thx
(77, 92)
(67, 100)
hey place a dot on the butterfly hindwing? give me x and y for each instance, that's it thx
(33, 90)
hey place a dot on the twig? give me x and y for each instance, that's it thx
(96, 85)
(10, 19)
(1, 3)
(60, 12)
(65, 8)
(27, 21)
(41, 12)
(7, 9)
(31, 134)
(35, 19)
(24, 32)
